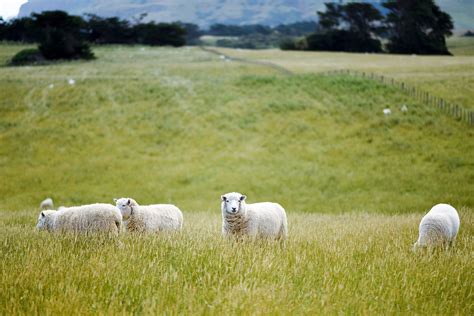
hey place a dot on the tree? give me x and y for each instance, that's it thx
(417, 27)
(61, 35)
(351, 27)
(108, 30)
(161, 34)
(20, 30)
(192, 33)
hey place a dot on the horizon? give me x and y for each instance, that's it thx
(11, 9)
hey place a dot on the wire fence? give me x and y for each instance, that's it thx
(278, 68)
(455, 110)
(452, 109)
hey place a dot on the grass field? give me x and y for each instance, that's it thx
(183, 126)
(331, 264)
(451, 78)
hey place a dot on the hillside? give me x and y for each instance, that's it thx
(448, 77)
(208, 12)
(183, 126)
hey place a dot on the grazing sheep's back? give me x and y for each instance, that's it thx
(439, 225)
(89, 218)
(267, 219)
(157, 217)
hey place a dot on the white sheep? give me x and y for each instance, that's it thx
(404, 108)
(93, 218)
(46, 204)
(387, 111)
(149, 218)
(265, 219)
(439, 226)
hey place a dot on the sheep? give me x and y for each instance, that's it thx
(404, 108)
(267, 220)
(46, 204)
(439, 226)
(93, 218)
(387, 111)
(149, 218)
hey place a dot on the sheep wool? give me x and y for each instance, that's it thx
(265, 220)
(93, 218)
(46, 204)
(439, 226)
(149, 218)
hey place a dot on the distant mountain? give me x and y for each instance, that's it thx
(207, 12)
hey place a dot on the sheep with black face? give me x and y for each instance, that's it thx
(266, 219)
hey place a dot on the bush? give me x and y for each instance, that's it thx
(294, 44)
(61, 36)
(27, 57)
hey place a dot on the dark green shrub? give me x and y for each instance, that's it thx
(27, 57)
(61, 36)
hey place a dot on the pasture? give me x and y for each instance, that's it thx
(183, 126)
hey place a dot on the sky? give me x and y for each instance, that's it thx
(9, 8)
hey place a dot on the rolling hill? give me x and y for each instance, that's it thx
(183, 126)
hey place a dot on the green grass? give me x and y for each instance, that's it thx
(449, 77)
(332, 264)
(182, 126)
(461, 46)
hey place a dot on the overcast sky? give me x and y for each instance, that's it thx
(10, 8)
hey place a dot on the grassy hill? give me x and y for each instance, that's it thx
(444, 76)
(184, 126)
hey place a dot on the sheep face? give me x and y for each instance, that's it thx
(44, 220)
(233, 203)
(125, 207)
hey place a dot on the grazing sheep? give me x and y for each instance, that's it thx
(404, 108)
(439, 226)
(93, 218)
(47, 204)
(387, 111)
(265, 219)
(149, 218)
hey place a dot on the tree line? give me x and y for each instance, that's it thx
(406, 27)
(64, 36)
(395, 26)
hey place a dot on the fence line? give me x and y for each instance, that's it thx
(450, 108)
(278, 68)
(453, 109)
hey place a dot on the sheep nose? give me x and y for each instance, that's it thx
(234, 209)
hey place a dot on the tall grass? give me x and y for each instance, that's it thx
(351, 263)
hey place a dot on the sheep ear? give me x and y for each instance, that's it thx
(223, 198)
(42, 214)
(115, 200)
(128, 202)
(243, 197)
